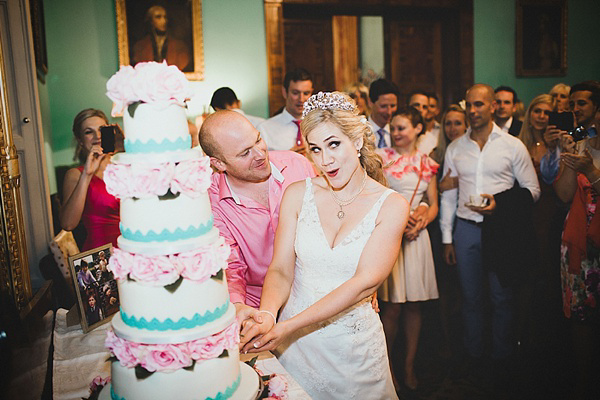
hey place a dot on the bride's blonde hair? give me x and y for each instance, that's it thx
(339, 109)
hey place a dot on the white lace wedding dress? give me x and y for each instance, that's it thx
(344, 357)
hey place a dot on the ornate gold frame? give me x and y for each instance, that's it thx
(14, 266)
(198, 45)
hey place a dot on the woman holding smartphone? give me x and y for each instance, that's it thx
(84, 196)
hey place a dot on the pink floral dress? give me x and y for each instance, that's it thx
(413, 276)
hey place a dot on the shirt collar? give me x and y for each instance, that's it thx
(287, 117)
(507, 124)
(225, 189)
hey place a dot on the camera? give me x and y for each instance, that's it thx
(579, 133)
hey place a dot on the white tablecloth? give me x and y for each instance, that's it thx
(79, 358)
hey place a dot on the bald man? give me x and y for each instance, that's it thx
(488, 162)
(245, 195)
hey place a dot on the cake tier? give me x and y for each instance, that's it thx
(154, 314)
(219, 378)
(156, 128)
(166, 157)
(165, 219)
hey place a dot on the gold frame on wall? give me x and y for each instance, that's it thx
(14, 265)
(197, 47)
(531, 27)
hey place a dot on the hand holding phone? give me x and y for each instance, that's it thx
(107, 141)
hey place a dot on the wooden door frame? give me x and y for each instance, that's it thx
(276, 45)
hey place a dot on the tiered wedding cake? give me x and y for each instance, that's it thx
(176, 336)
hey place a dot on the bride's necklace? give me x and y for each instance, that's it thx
(342, 203)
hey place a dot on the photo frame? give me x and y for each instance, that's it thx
(541, 38)
(162, 30)
(95, 287)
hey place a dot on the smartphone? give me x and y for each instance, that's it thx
(107, 134)
(563, 121)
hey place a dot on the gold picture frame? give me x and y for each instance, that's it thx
(92, 280)
(184, 42)
(541, 48)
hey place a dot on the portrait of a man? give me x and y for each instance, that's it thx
(160, 30)
(159, 43)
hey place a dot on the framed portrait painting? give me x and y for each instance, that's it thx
(541, 48)
(158, 30)
(95, 286)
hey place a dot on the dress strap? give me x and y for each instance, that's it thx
(377, 206)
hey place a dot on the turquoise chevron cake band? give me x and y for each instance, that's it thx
(152, 146)
(168, 324)
(220, 396)
(167, 235)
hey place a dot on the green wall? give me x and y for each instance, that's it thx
(82, 55)
(494, 26)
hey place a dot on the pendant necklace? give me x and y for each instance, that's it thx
(341, 214)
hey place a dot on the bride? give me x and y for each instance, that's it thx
(338, 237)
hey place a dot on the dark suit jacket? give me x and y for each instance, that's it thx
(508, 239)
(515, 127)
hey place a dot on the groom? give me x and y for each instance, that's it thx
(245, 195)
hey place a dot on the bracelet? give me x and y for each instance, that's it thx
(270, 313)
(596, 181)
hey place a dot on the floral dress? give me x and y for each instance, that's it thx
(413, 276)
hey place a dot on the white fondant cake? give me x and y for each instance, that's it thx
(176, 335)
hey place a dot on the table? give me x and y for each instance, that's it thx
(79, 358)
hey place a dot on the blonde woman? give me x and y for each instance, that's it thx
(560, 93)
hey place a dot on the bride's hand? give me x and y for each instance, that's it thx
(260, 324)
(271, 339)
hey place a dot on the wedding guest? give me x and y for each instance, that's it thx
(245, 198)
(560, 93)
(383, 102)
(84, 196)
(420, 100)
(282, 131)
(338, 238)
(579, 183)
(412, 174)
(488, 162)
(225, 99)
(360, 94)
(506, 105)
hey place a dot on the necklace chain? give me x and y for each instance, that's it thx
(342, 203)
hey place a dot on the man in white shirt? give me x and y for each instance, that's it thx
(383, 100)
(487, 161)
(225, 99)
(282, 131)
(428, 141)
(507, 99)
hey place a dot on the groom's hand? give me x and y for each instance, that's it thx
(256, 331)
(245, 316)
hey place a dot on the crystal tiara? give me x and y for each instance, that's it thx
(327, 101)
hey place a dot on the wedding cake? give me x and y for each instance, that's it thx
(176, 335)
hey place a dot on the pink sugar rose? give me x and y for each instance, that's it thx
(99, 382)
(166, 357)
(158, 269)
(171, 83)
(127, 352)
(120, 263)
(117, 180)
(148, 181)
(205, 348)
(278, 387)
(192, 177)
(196, 265)
(119, 89)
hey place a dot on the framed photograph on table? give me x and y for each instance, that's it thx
(541, 48)
(95, 286)
(157, 30)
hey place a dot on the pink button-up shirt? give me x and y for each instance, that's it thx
(249, 228)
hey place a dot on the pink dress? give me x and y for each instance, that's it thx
(100, 215)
